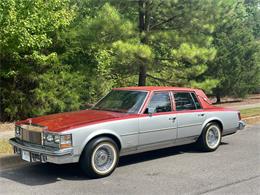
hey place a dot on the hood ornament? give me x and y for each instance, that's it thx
(30, 121)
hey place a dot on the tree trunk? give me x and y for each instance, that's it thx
(142, 75)
(218, 98)
(143, 28)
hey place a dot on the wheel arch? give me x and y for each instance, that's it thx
(215, 120)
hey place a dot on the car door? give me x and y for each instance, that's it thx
(190, 115)
(158, 123)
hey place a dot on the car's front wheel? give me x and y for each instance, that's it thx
(100, 157)
(210, 138)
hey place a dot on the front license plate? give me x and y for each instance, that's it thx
(26, 156)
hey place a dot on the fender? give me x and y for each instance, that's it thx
(211, 119)
(97, 133)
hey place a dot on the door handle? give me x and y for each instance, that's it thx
(172, 118)
(201, 114)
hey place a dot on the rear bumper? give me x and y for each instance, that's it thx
(241, 125)
(41, 154)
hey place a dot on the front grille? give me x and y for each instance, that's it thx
(31, 134)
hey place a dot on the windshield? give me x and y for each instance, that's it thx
(122, 101)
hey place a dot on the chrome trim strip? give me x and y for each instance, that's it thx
(190, 125)
(127, 134)
(30, 148)
(162, 129)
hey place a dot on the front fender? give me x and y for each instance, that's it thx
(98, 133)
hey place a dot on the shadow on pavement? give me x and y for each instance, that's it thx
(42, 174)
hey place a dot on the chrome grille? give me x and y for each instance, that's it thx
(31, 134)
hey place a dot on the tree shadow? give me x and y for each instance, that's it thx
(42, 174)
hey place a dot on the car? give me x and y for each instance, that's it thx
(126, 121)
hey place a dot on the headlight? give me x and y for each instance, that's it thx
(56, 140)
(49, 138)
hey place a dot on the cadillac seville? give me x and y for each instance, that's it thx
(126, 121)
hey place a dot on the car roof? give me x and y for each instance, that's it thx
(155, 88)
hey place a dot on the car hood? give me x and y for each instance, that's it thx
(69, 120)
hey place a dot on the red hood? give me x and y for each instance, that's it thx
(69, 120)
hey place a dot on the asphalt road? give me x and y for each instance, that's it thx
(233, 169)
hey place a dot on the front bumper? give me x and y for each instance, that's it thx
(43, 154)
(241, 125)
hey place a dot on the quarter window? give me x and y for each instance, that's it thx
(184, 101)
(197, 104)
(160, 102)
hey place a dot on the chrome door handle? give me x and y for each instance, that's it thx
(201, 114)
(172, 118)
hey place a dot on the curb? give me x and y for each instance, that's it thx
(10, 161)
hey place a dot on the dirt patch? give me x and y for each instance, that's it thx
(6, 126)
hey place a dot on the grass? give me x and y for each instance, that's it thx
(5, 147)
(250, 112)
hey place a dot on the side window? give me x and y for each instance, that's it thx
(160, 102)
(184, 101)
(197, 104)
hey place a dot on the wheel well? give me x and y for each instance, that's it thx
(219, 123)
(113, 137)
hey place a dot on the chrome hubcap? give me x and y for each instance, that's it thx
(104, 158)
(213, 137)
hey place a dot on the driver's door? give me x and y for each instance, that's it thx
(158, 126)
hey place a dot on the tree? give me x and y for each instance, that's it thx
(27, 29)
(167, 42)
(235, 64)
(177, 34)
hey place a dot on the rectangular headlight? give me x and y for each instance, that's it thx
(56, 140)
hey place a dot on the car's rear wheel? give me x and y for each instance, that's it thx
(100, 157)
(210, 138)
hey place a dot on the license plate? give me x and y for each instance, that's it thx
(26, 156)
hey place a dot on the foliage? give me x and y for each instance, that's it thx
(26, 29)
(58, 55)
(236, 64)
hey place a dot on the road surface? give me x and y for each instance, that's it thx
(233, 169)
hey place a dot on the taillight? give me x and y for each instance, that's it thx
(239, 115)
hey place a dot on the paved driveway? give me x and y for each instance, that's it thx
(233, 169)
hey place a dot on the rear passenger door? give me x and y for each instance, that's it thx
(190, 115)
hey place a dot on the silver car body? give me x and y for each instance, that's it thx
(141, 132)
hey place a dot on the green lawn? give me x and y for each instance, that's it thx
(250, 112)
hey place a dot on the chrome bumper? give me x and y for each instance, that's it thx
(241, 125)
(42, 154)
